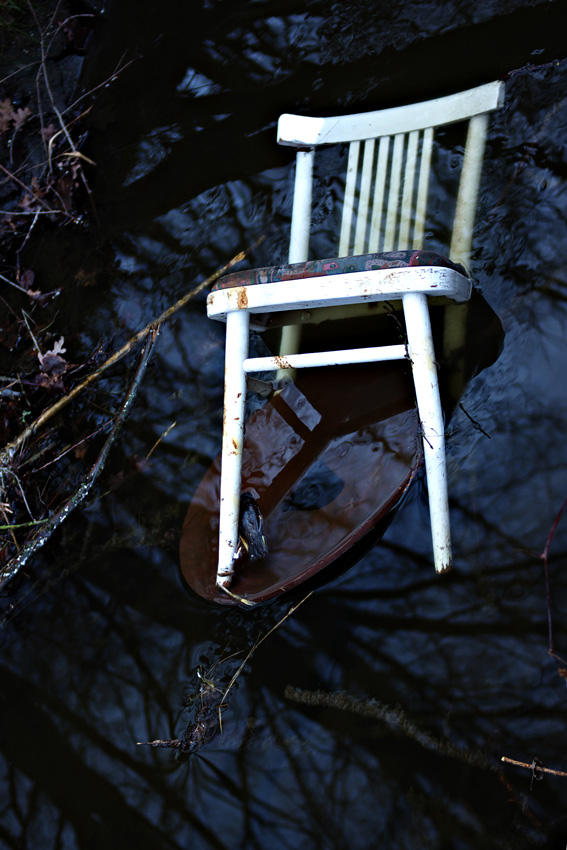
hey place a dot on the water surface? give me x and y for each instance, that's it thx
(100, 646)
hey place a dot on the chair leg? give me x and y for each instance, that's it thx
(237, 331)
(289, 344)
(422, 355)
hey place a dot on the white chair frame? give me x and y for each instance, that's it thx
(383, 211)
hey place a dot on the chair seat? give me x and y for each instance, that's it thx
(336, 265)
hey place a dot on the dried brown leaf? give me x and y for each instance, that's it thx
(54, 383)
(52, 364)
(20, 116)
(48, 132)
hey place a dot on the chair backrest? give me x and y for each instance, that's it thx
(388, 171)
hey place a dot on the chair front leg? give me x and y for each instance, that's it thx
(237, 332)
(422, 355)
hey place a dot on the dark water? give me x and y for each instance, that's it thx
(100, 646)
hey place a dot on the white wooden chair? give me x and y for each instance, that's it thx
(385, 201)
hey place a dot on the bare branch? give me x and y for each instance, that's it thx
(15, 564)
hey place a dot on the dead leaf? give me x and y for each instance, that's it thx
(36, 296)
(53, 383)
(51, 363)
(80, 156)
(6, 114)
(27, 279)
(48, 132)
(65, 187)
(58, 347)
(32, 202)
(28, 203)
(9, 334)
(140, 464)
(86, 277)
(20, 116)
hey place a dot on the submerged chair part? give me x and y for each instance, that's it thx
(380, 259)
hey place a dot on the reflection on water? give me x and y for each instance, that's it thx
(100, 646)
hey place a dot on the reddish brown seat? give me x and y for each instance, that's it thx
(337, 265)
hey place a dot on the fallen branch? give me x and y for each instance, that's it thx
(8, 452)
(15, 564)
(395, 718)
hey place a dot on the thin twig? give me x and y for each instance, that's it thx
(31, 333)
(255, 646)
(15, 285)
(27, 236)
(30, 192)
(6, 471)
(103, 427)
(17, 71)
(535, 767)
(474, 423)
(43, 72)
(4, 511)
(545, 558)
(23, 524)
(158, 441)
(104, 84)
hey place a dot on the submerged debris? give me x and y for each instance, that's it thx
(251, 530)
(212, 700)
(201, 731)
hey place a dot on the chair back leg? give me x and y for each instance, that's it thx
(237, 331)
(424, 368)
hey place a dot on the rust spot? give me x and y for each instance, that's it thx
(234, 445)
(283, 362)
(242, 298)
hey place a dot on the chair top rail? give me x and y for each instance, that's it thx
(304, 131)
(349, 288)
